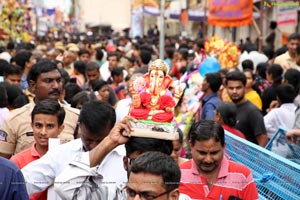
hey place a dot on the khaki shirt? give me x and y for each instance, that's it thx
(69, 68)
(286, 62)
(29, 95)
(16, 132)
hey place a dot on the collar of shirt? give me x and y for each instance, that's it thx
(34, 152)
(222, 172)
(209, 97)
(288, 105)
(78, 146)
(288, 57)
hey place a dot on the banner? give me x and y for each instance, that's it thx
(287, 16)
(230, 12)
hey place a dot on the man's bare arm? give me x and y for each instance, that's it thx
(262, 140)
(118, 135)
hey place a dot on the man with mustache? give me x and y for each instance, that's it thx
(210, 175)
(16, 133)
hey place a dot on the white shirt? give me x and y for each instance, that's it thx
(79, 181)
(40, 174)
(104, 71)
(122, 108)
(283, 116)
(3, 113)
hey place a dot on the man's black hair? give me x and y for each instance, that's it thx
(49, 107)
(294, 36)
(43, 66)
(159, 164)
(276, 71)
(71, 89)
(286, 93)
(15, 96)
(228, 111)
(248, 64)
(82, 97)
(99, 54)
(261, 69)
(80, 67)
(12, 70)
(214, 80)
(113, 54)
(91, 66)
(22, 57)
(236, 76)
(3, 97)
(116, 71)
(205, 130)
(97, 116)
(141, 145)
(292, 76)
(83, 51)
(3, 66)
(145, 56)
(99, 84)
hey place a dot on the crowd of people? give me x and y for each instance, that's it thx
(80, 92)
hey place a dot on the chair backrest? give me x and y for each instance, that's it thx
(275, 177)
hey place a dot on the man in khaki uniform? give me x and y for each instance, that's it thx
(288, 59)
(16, 132)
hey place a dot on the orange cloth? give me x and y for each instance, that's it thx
(24, 158)
(230, 13)
(184, 17)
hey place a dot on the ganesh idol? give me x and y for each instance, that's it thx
(151, 97)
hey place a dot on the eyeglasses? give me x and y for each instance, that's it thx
(143, 195)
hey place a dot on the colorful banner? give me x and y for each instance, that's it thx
(287, 17)
(230, 12)
(136, 25)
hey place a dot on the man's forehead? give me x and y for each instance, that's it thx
(211, 145)
(52, 73)
(294, 41)
(234, 82)
(94, 71)
(112, 58)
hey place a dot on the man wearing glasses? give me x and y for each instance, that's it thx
(154, 175)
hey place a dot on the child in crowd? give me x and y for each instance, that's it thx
(118, 78)
(47, 122)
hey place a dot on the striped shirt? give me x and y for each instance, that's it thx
(233, 180)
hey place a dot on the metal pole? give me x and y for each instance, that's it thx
(143, 18)
(260, 41)
(162, 30)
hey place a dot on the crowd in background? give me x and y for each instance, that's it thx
(251, 101)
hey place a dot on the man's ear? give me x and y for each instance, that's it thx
(125, 163)
(174, 194)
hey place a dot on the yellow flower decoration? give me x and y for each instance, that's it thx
(226, 52)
